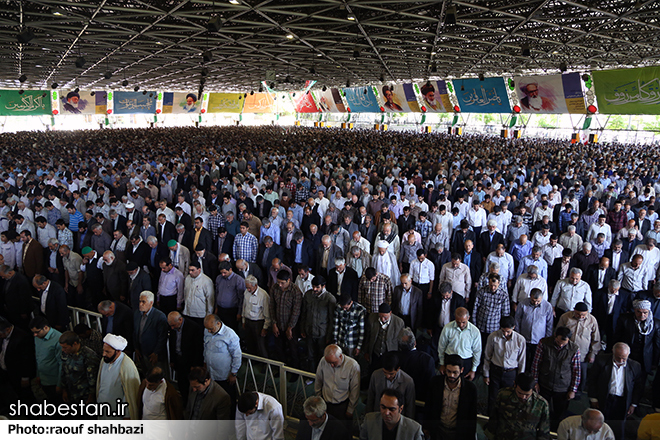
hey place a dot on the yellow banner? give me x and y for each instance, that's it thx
(225, 103)
(259, 103)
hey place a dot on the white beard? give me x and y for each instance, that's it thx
(536, 103)
(74, 105)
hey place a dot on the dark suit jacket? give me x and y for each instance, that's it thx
(334, 430)
(121, 224)
(17, 300)
(466, 414)
(254, 270)
(20, 357)
(122, 322)
(33, 262)
(592, 279)
(216, 405)
(59, 277)
(476, 265)
(154, 335)
(166, 232)
(227, 245)
(485, 245)
(307, 254)
(205, 238)
(626, 331)
(141, 283)
(335, 252)
(265, 207)
(415, 305)
(192, 345)
(57, 312)
(455, 302)
(276, 251)
(600, 375)
(458, 240)
(141, 254)
(209, 265)
(421, 367)
(391, 338)
(625, 256)
(349, 283)
(622, 304)
(185, 220)
(554, 274)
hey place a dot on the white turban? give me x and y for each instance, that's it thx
(382, 244)
(115, 341)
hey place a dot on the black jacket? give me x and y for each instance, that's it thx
(276, 251)
(421, 367)
(57, 312)
(192, 345)
(485, 245)
(626, 331)
(122, 323)
(349, 283)
(600, 375)
(166, 232)
(141, 283)
(20, 357)
(466, 414)
(334, 430)
(416, 299)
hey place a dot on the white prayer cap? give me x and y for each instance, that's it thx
(115, 341)
(382, 244)
(130, 205)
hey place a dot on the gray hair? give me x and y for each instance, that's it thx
(152, 240)
(576, 270)
(494, 266)
(104, 306)
(571, 227)
(96, 226)
(532, 270)
(332, 349)
(251, 280)
(339, 261)
(616, 284)
(53, 241)
(621, 345)
(326, 238)
(593, 414)
(536, 249)
(148, 295)
(586, 245)
(407, 339)
(491, 223)
(315, 405)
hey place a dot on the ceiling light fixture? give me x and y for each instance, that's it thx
(80, 62)
(234, 2)
(450, 15)
(289, 36)
(124, 83)
(25, 36)
(351, 17)
(54, 86)
(22, 78)
(214, 24)
(525, 50)
(136, 88)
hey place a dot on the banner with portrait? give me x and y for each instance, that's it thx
(330, 101)
(181, 103)
(399, 98)
(83, 103)
(259, 103)
(550, 93)
(435, 97)
(487, 96)
(225, 103)
(304, 102)
(628, 91)
(30, 102)
(361, 100)
(131, 103)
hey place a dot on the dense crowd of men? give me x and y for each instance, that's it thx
(416, 264)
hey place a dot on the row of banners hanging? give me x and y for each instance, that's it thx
(624, 91)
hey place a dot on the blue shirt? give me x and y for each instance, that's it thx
(467, 258)
(298, 258)
(222, 353)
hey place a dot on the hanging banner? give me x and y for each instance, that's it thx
(487, 96)
(330, 101)
(179, 103)
(435, 97)
(628, 91)
(361, 102)
(304, 103)
(225, 103)
(259, 103)
(83, 103)
(131, 103)
(400, 98)
(31, 102)
(550, 94)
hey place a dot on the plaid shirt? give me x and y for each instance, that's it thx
(65, 236)
(424, 228)
(575, 366)
(349, 326)
(616, 220)
(291, 187)
(245, 247)
(285, 306)
(214, 222)
(490, 307)
(302, 195)
(371, 294)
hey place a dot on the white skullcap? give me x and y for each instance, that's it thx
(130, 205)
(115, 341)
(382, 244)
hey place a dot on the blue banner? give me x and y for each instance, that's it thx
(130, 103)
(488, 96)
(360, 102)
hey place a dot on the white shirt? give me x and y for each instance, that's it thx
(571, 429)
(44, 297)
(566, 295)
(616, 259)
(444, 313)
(422, 273)
(153, 403)
(524, 286)
(550, 253)
(266, 423)
(618, 379)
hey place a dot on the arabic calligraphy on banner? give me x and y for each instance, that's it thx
(330, 102)
(488, 96)
(304, 103)
(259, 103)
(83, 103)
(225, 103)
(31, 102)
(550, 94)
(134, 103)
(628, 91)
(360, 102)
(179, 103)
(435, 97)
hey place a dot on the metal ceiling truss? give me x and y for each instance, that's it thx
(158, 44)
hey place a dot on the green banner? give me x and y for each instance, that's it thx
(628, 91)
(30, 102)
